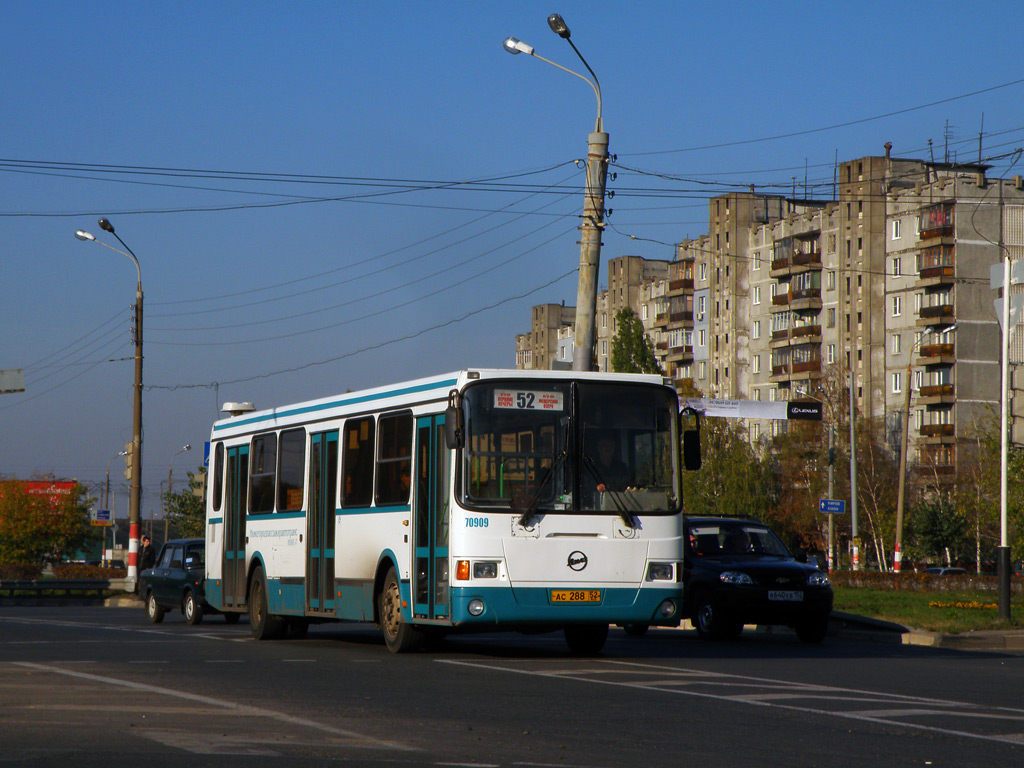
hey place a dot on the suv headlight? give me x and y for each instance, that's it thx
(734, 577)
(817, 579)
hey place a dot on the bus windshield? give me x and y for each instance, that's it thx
(534, 446)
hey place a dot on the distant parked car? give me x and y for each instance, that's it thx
(738, 572)
(176, 582)
(943, 571)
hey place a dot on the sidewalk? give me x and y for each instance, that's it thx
(850, 625)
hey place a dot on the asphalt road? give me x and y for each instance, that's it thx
(94, 686)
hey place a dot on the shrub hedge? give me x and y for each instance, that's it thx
(921, 582)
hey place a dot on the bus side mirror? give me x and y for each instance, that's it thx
(453, 432)
(689, 428)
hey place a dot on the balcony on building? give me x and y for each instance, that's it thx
(935, 225)
(937, 394)
(938, 434)
(937, 460)
(680, 311)
(797, 334)
(680, 278)
(799, 253)
(938, 265)
(937, 315)
(680, 354)
(798, 363)
(936, 354)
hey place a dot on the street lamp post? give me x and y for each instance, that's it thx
(593, 204)
(898, 550)
(170, 469)
(136, 444)
(106, 501)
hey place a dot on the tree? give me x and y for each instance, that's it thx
(732, 479)
(186, 509)
(34, 527)
(632, 351)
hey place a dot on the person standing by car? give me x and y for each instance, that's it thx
(147, 557)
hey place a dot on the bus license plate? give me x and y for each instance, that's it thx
(575, 595)
(778, 594)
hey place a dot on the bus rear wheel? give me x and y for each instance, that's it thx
(586, 639)
(399, 635)
(262, 624)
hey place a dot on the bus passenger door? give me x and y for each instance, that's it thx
(237, 489)
(431, 579)
(323, 494)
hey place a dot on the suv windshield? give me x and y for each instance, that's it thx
(740, 538)
(570, 446)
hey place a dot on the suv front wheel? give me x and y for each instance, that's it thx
(712, 622)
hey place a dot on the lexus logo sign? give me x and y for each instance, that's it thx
(577, 561)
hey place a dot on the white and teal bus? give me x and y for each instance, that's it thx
(477, 500)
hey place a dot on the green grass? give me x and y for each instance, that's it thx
(964, 611)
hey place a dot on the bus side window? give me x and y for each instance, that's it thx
(357, 463)
(218, 476)
(394, 459)
(292, 470)
(263, 473)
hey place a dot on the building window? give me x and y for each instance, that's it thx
(701, 304)
(757, 329)
(702, 370)
(830, 354)
(830, 317)
(896, 267)
(917, 302)
(896, 235)
(755, 364)
(897, 306)
(895, 343)
(757, 262)
(897, 383)
(703, 271)
(830, 280)
(701, 338)
(643, 311)
(604, 347)
(757, 294)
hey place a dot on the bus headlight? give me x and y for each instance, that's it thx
(475, 607)
(660, 572)
(485, 570)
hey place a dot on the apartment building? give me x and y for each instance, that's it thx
(889, 281)
(944, 234)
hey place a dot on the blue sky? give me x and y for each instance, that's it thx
(327, 196)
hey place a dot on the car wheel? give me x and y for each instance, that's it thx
(712, 622)
(812, 630)
(192, 609)
(636, 630)
(399, 635)
(262, 624)
(586, 639)
(153, 611)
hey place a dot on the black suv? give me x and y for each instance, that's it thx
(175, 582)
(738, 572)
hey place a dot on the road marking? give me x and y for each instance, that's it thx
(893, 709)
(229, 706)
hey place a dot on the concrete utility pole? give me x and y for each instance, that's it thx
(135, 451)
(593, 204)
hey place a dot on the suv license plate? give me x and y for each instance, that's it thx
(790, 596)
(575, 595)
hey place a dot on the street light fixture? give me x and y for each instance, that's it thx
(136, 450)
(593, 205)
(898, 551)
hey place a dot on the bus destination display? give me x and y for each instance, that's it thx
(525, 400)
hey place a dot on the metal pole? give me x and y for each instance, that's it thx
(590, 250)
(831, 488)
(135, 503)
(898, 551)
(853, 481)
(1003, 550)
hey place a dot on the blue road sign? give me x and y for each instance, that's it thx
(832, 506)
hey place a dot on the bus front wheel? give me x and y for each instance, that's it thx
(399, 635)
(263, 625)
